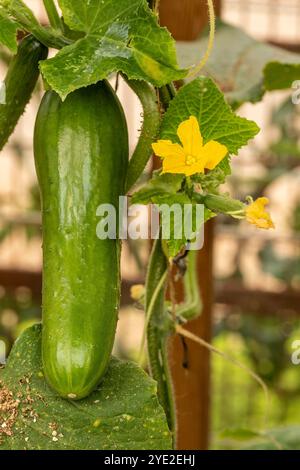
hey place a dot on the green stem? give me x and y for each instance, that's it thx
(223, 204)
(159, 325)
(54, 18)
(47, 36)
(149, 133)
(150, 308)
(212, 32)
(191, 308)
(158, 333)
(166, 94)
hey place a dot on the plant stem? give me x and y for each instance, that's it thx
(54, 18)
(158, 333)
(151, 115)
(47, 36)
(149, 311)
(166, 94)
(192, 305)
(212, 32)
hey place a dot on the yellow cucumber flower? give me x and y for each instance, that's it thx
(192, 156)
(257, 215)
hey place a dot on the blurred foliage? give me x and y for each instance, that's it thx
(282, 156)
(296, 220)
(264, 345)
(18, 310)
(286, 148)
(285, 268)
(262, 342)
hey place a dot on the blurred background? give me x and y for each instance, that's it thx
(256, 274)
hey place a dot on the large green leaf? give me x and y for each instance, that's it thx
(280, 76)
(203, 99)
(123, 413)
(8, 32)
(121, 35)
(237, 62)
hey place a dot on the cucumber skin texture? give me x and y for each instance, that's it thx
(81, 155)
(20, 81)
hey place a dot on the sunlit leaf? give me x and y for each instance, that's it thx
(119, 36)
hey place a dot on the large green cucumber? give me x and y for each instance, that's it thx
(21, 78)
(81, 155)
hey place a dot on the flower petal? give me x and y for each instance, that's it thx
(165, 148)
(194, 169)
(174, 165)
(213, 153)
(257, 215)
(190, 136)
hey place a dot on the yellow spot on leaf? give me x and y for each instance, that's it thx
(149, 66)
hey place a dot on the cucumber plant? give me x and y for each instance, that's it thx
(81, 156)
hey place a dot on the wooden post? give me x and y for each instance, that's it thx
(185, 19)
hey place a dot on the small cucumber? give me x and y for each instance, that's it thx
(21, 78)
(81, 155)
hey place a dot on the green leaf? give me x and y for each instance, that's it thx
(123, 413)
(285, 438)
(158, 186)
(119, 36)
(203, 99)
(239, 434)
(236, 63)
(166, 189)
(281, 76)
(174, 242)
(8, 33)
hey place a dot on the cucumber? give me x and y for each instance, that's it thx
(81, 155)
(21, 78)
